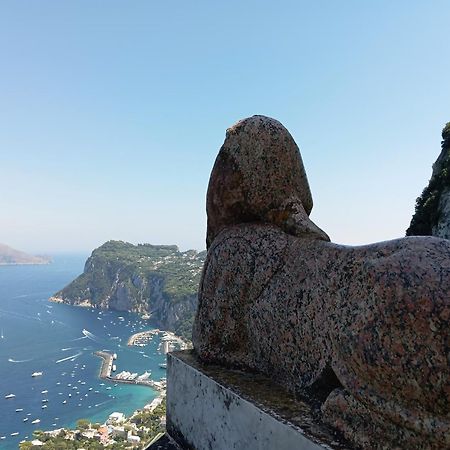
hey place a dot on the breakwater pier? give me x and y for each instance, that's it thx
(106, 371)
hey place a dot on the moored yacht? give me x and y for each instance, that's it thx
(9, 396)
(36, 374)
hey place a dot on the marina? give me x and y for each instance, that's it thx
(33, 344)
(133, 378)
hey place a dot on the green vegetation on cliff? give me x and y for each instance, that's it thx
(427, 213)
(148, 279)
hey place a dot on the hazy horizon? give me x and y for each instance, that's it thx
(111, 117)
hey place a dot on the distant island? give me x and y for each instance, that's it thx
(156, 281)
(10, 256)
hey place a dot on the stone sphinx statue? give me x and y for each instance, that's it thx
(277, 297)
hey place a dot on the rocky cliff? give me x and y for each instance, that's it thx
(432, 214)
(155, 280)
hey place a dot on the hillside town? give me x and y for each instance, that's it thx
(117, 432)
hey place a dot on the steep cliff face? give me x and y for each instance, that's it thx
(432, 214)
(159, 281)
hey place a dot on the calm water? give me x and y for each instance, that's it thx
(39, 336)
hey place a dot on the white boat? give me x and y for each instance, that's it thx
(19, 409)
(44, 406)
(163, 365)
(45, 400)
(26, 418)
(36, 374)
(36, 421)
(2, 437)
(10, 396)
(64, 402)
(44, 392)
(114, 368)
(15, 434)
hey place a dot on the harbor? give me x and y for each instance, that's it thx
(107, 369)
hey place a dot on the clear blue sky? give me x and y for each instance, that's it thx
(112, 112)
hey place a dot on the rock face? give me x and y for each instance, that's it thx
(156, 280)
(292, 305)
(432, 215)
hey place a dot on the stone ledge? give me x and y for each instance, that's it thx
(209, 407)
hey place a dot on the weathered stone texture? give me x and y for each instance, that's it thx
(290, 304)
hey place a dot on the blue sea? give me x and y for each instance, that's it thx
(39, 336)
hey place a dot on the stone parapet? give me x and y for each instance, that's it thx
(210, 407)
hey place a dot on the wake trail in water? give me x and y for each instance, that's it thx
(69, 357)
(78, 339)
(102, 403)
(19, 360)
(91, 336)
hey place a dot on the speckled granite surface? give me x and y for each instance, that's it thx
(278, 298)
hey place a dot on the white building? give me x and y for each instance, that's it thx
(115, 418)
(133, 439)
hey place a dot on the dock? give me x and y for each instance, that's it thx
(106, 369)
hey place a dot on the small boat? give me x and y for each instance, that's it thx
(19, 409)
(36, 421)
(108, 388)
(2, 437)
(64, 402)
(15, 434)
(163, 365)
(26, 419)
(9, 396)
(44, 406)
(36, 374)
(45, 400)
(44, 392)
(70, 395)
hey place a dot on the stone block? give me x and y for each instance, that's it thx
(210, 407)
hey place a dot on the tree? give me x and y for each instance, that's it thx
(83, 424)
